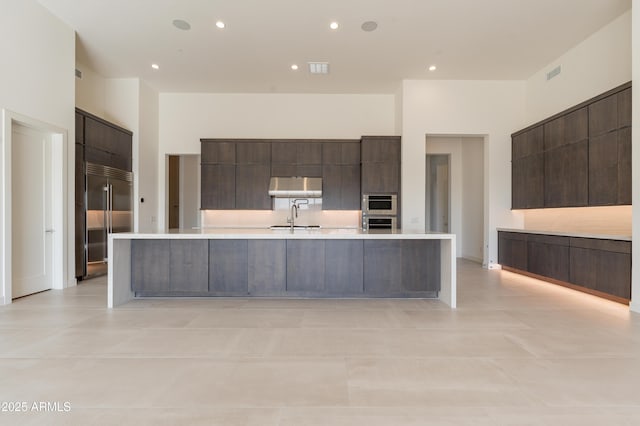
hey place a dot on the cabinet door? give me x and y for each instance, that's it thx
(566, 129)
(566, 176)
(376, 149)
(624, 108)
(382, 266)
(548, 256)
(603, 116)
(267, 270)
(527, 182)
(603, 169)
(228, 273)
(624, 166)
(343, 269)
(120, 143)
(283, 153)
(189, 267)
(512, 250)
(218, 186)
(350, 187)
(252, 187)
(614, 273)
(331, 187)
(284, 170)
(308, 153)
(305, 266)
(527, 143)
(350, 153)
(150, 266)
(583, 267)
(218, 152)
(420, 266)
(253, 153)
(380, 177)
(79, 128)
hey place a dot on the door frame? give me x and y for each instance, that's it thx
(58, 180)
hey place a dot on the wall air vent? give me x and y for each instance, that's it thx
(78, 73)
(318, 67)
(554, 72)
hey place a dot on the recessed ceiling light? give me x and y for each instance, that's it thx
(155, 66)
(369, 26)
(432, 68)
(294, 67)
(220, 24)
(334, 25)
(181, 24)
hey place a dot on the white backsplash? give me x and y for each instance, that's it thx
(308, 214)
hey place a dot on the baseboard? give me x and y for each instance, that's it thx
(2, 301)
(634, 307)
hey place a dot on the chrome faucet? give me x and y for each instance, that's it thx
(291, 220)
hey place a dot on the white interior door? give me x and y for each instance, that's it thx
(31, 242)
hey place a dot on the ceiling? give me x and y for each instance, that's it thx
(465, 39)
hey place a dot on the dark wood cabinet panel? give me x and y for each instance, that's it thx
(624, 108)
(603, 116)
(351, 153)
(341, 153)
(79, 128)
(189, 266)
(267, 270)
(527, 143)
(296, 159)
(103, 137)
(341, 187)
(252, 187)
(378, 149)
(344, 269)
(566, 176)
(583, 267)
(253, 153)
(614, 274)
(305, 266)
(567, 129)
(218, 186)
(284, 170)
(595, 266)
(624, 166)
(228, 274)
(420, 265)
(548, 256)
(283, 153)
(309, 152)
(512, 250)
(309, 170)
(80, 230)
(527, 182)
(380, 177)
(218, 152)
(603, 169)
(382, 266)
(150, 265)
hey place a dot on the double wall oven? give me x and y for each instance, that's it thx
(379, 211)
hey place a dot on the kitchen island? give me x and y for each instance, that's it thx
(255, 262)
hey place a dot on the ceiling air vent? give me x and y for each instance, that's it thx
(318, 67)
(554, 72)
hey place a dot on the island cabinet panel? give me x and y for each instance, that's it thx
(382, 266)
(512, 250)
(344, 268)
(218, 186)
(566, 174)
(228, 274)
(189, 266)
(151, 266)
(420, 266)
(267, 267)
(305, 266)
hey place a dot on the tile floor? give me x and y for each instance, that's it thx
(516, 352)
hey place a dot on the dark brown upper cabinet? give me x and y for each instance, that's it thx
(218, 153)
(296, 158)
(579, 157)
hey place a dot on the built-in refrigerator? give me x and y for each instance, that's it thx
(109, 202)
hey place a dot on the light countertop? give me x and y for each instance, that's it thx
(266, 233)
(570, 234)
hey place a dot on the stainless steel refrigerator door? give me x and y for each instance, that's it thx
(121, 205)
(97, 224)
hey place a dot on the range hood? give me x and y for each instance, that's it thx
(292, 187)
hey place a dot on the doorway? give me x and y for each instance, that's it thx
(183, 191)
(33, 198)
(439, 190)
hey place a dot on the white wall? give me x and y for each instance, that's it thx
(493, 109)
(472, 240)
(185, 118)
(599, 63)
(635, 168)
(147, 159)
(37, 81)
(90, 91)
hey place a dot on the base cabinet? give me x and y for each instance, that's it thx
(597, 266)
(285, 267)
